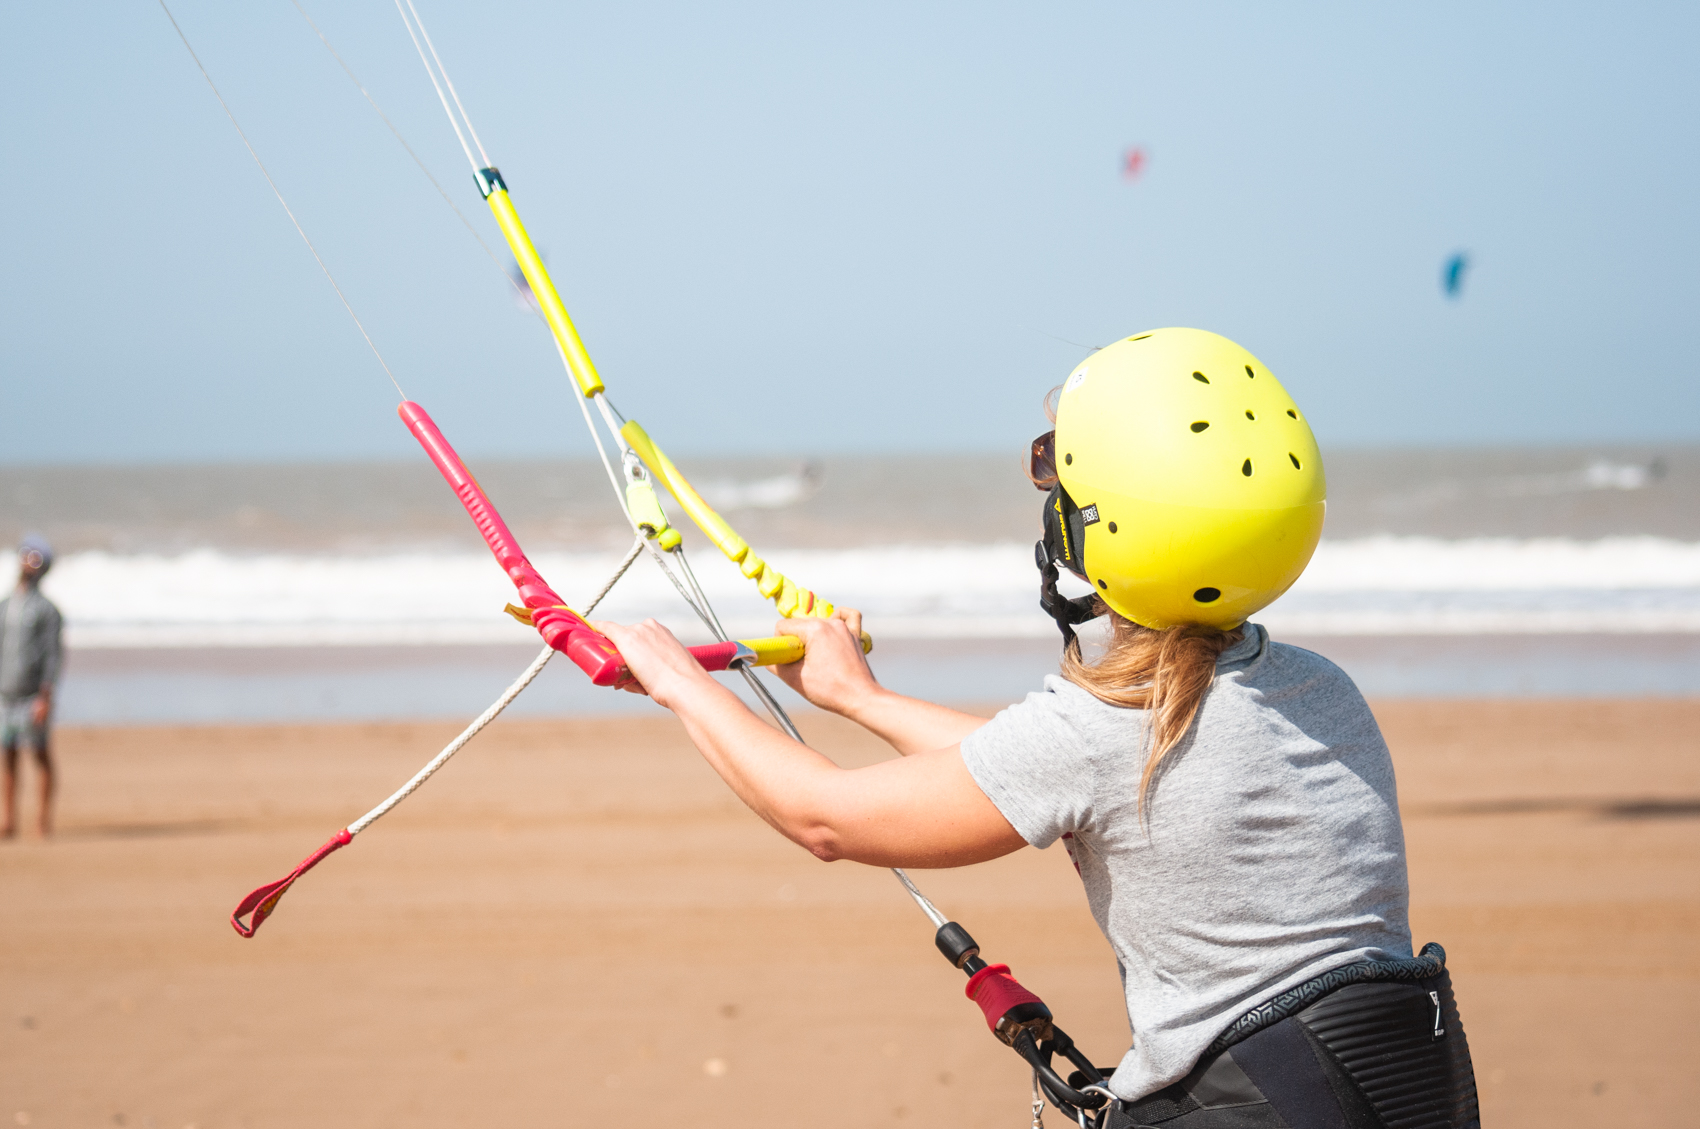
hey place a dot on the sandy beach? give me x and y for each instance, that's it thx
(577, 924)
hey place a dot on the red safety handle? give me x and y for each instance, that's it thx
(997, 992)
(561, 627)
(262, 901)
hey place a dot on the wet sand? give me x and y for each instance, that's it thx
(575, 924)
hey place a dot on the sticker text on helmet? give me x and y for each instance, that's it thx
(1089, 514)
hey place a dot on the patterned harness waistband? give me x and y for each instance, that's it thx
(1429, 963)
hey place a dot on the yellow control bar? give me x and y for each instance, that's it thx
(775, 650)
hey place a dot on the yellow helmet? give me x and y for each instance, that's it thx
(1189, 488)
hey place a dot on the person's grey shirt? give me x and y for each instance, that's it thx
(30, 649)
(1271, 853)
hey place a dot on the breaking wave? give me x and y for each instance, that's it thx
(1380, 585)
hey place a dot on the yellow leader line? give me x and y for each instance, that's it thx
(788, 597)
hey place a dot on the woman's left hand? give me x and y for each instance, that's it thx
(663, 668)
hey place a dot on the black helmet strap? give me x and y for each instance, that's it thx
(1063, 544)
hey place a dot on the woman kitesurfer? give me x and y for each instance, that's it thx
(1228, 800)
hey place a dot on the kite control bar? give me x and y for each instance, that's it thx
(561, 627)
(1022, 1021)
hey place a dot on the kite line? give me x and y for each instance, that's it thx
(1018, 1017)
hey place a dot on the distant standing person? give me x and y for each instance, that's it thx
(29, 667)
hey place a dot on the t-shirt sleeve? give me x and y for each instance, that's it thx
(1035, 763)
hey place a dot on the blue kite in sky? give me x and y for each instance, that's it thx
(1452, 274)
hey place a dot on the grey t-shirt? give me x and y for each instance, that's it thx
(1272, 853)
(29, 643)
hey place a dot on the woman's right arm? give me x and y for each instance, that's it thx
(835, 676)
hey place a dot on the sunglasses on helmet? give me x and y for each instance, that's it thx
(1042, 460)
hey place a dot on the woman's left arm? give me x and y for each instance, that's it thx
(922, 810)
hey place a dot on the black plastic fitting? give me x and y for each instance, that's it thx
(956, 944)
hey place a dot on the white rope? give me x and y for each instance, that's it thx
(435, 85)
(299, 230)
(637, 547)
(449, 82)
(489, 715)
(453, 747)
(927, 907)
(379, 110)
(691, 579)
(596, 437)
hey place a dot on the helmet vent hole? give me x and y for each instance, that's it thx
(1249, 373)
(1101, 584)
(1250, 414)
(1201, 378)
(1068, 460)
(1295, 458)
(1207, 595)
(1245, 468)
(1141, 337)
(1200, 426)
(1292, 413)
(1112, 527)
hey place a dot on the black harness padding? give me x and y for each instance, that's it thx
(1373, 1045)
(1426, 965)
(1218, 1094)
(1400, 1050)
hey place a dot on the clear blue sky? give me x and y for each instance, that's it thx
(794, 228)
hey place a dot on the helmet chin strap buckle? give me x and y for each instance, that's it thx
(1067, 612)
(1064, 543)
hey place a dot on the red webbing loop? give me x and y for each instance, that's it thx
(996, 991)
(262, 901)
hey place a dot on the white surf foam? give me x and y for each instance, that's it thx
(1382, 585)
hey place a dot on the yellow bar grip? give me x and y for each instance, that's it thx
(711, 523)
(543, 288)
(781, 649)
(775, 651)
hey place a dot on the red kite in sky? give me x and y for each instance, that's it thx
(1133, 163)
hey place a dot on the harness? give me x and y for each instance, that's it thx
(1380, 1041)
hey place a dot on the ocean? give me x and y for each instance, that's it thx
(254, 592)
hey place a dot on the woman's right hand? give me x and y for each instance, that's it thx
(833, 674)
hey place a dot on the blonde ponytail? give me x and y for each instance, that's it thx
(1166, 672)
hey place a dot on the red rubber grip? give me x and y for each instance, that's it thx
(561, 627)
(715, 656)
(996, 991)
